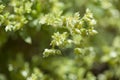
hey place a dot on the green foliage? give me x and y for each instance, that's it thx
(59, 39)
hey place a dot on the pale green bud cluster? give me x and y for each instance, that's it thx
(76, 29)
(49, 52)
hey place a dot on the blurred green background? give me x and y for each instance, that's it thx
(27, 28)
